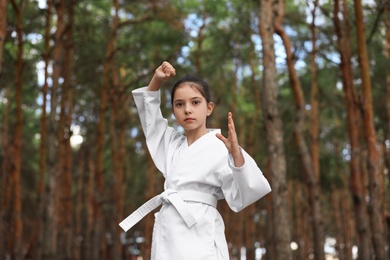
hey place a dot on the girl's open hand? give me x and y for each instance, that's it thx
(165, 71)
(231, 142)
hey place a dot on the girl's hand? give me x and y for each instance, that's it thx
(165, 71)
(231, 142)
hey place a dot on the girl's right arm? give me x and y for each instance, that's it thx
(158, 134)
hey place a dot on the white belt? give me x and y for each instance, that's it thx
(177, 199)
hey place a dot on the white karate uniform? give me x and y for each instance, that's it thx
(188, 226)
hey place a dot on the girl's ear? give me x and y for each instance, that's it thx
(210, 108)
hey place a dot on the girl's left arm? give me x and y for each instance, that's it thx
(246, 184)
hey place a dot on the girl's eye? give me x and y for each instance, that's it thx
(178, 104)
(196, 102)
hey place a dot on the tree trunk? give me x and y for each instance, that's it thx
(342, 218)
(255, 149)
(90, 204)
(387, 154)
(353, 122)
(250, 231)
(242, 234)
(149, 219)
(301, 231)
(79, 205)
(41, 200)
(6, 179)
(125, 103)
(342, 215)
(251, 227)
(307, 162)
(101, 128)
(118, 125)
(18, 135)
(374, 205)
(51, 231)
(274, 135)
(314, 137)
(3, 29)
(270, 245)
(314, 122)
(115, 162)
(336, 215)
(346, 218)
(64, 181)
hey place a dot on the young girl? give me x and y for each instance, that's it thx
(199, 167)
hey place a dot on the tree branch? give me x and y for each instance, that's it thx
(376, 23)
(140, 19)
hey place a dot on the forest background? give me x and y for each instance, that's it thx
(308, 83)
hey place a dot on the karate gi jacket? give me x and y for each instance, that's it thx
(188, 225)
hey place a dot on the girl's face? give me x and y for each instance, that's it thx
(191, 108)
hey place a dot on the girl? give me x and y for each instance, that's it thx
(199, 167)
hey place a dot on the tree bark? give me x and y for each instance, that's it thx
(314, 116)
(251, 225)
(18, 135)
(242, 235)
(387, 154)
(101, 128)
(3, 29)
(150, 193)
(347, 219)
(270, 245)
(79, 205)
(125, 103)
(307, 162)
(65, 178)
(342, 215)
(114, 96)
(90, 202)
(336, 215)
(4, 176)
(119, 104)
(354, 124)
(274, 134)
(51, 230)
(374, 205)
(254, 138)
(41, 200)
(6, 179)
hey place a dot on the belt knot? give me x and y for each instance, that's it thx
(165, 195)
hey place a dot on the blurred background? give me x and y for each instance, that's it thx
(308, 83)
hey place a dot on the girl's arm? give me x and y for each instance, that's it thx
(244, 185)
(247, 183)
(155, 127)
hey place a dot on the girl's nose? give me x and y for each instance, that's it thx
(188, 110)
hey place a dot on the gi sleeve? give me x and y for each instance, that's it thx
(244, 185)
(155, 127)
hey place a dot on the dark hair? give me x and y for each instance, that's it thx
(193, 81)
